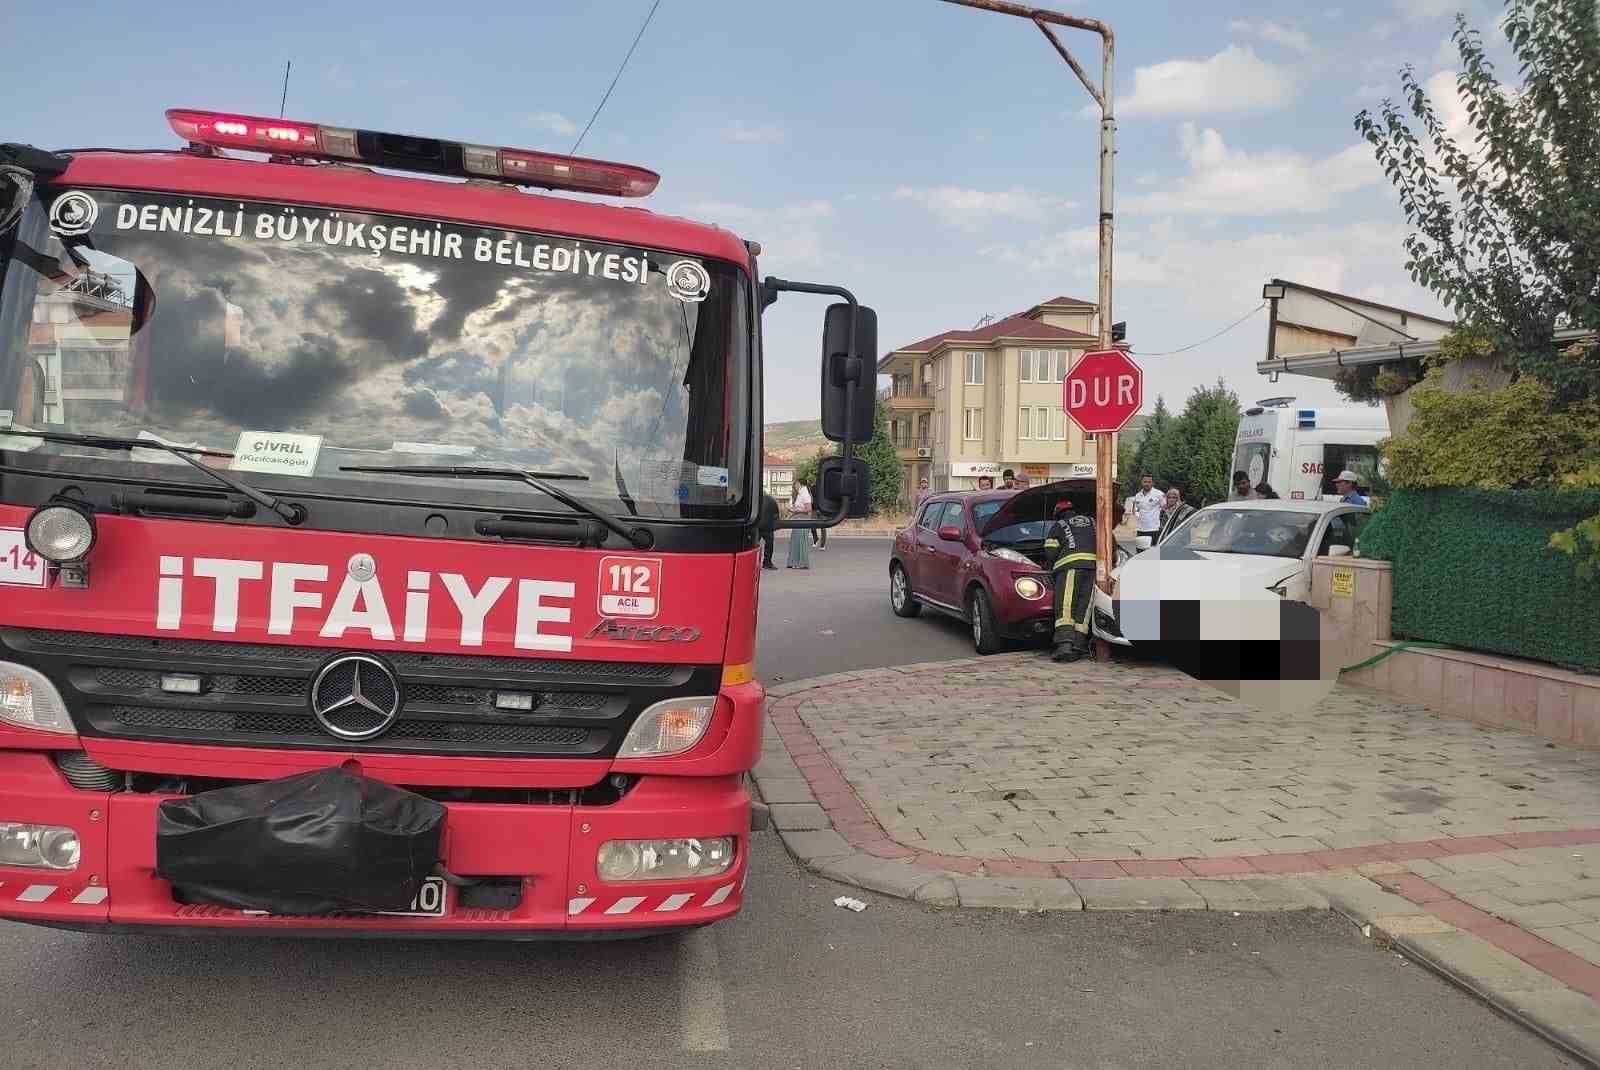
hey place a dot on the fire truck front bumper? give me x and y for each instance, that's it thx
(533, 871)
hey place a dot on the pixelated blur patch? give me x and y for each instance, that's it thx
(1231, 629)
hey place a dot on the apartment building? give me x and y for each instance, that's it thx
(969, 403)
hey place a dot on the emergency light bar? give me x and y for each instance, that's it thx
(403, 152)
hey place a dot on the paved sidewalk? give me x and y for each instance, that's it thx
(1012, 782)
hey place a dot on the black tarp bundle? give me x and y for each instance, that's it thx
(315, 843)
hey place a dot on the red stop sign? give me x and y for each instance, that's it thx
(1103, 391)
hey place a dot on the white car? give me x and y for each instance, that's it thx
(1228, 552)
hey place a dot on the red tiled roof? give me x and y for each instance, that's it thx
(1063, 301)
(772, 460)
(1018, 326)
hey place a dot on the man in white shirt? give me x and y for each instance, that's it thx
(1147, 510)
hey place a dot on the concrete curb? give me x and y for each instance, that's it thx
(1563, 1017)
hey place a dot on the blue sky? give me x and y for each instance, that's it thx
(932, 158)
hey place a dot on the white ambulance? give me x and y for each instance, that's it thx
(1297, 449)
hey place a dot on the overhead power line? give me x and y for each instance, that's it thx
(1203, 341)
(624, 66)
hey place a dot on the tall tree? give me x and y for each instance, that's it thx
(1505, 212)
(882, 461)
(1505, 209)
(1200, 450)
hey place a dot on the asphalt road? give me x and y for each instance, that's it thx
(792, 982)
(835, 616)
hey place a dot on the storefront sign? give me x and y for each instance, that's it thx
(1344, 582)
(975, 468)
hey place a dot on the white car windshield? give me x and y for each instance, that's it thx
(1265, 532)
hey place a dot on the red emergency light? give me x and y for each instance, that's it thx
(403, 152)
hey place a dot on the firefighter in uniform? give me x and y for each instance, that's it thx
(1071, 539)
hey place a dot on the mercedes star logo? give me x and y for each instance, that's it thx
(355, 696)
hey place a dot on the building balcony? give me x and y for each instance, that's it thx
(912, 447)
(910, 398)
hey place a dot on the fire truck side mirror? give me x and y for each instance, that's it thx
(840, 370)
(835, 481)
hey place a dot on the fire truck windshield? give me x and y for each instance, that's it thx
(309, 343)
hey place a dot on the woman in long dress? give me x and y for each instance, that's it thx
(799, 538)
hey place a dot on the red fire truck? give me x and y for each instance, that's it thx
(379, 543)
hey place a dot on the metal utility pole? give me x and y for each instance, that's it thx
(1044, 18)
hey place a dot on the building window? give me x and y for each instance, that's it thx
(974, 369)
(1025, 423)
(1026, 366)
(1063, 364)
(1041, 424)
(942, 371)
(1058, 425)
(974, 425)
(1088, 438)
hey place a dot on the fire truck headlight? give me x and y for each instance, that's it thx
(30, 700)
(669, 727)
(658, 860)
(45, 846)
(61, 531)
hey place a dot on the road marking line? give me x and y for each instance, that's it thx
(700, 997)
(673, 902)
(719, 895)
(91, 896)
(578, 906)
(35, 893)
(625, 904)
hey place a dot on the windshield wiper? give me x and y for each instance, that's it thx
(639, 538)
(291, 512)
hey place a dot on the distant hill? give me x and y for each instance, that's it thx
(795, 438)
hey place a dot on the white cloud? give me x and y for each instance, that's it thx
(554, 122)
(1277, 34)
(1234, 80)
(1223, 181)
(1178, 281)
(752, 133)
(963, 207)
(1424, 10)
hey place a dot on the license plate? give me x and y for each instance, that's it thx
(429, 902)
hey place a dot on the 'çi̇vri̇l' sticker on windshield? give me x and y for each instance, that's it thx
(687, 280)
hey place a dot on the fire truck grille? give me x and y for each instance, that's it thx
(407, 663)
(258, 695)
(210, 722)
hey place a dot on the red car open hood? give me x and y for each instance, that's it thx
(1038, 503)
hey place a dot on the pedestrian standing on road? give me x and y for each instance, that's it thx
(922, 491)
(1242, 490)
(1071, 543)
(986, 482)
(1008, 479)
(1147, 505)
(1176, 512)
(819, 536)
(800, 538)
(768, 523)
(1346, 483)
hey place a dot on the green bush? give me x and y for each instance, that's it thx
(1504, 438)
(1474, 568)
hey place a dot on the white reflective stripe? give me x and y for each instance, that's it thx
(578, 906)
(625, 904)
(675, 902)
(91, 896)
(36, 893)
(719, 895)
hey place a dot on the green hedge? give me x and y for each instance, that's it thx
(1473, 569)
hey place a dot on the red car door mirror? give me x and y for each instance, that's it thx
(950, 533)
